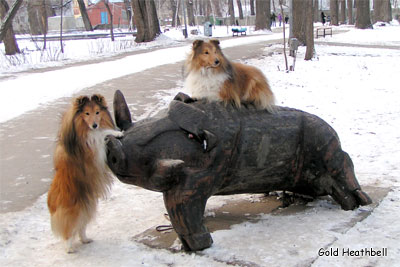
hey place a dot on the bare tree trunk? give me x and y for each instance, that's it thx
(252, 12)
(317, 17)
(342, 11)
(6, 31)
(140, 16)
(85, 17)
(309, 29)
(174, 10)
(61, 26)
(217, 8)
(43, 17)
(106, 3)
(239, 4)
(190, 12)
(334, 7)
(231, 12)
(33, 18)
(350, 12)
(177, 18)
(382, 10)
(363, 17)
(201, 7)
(284, 39)
(185, 31)
(154, 25)
(213, 12)
(146, 19)
(263, 18)
(128, 12)
(298, 23)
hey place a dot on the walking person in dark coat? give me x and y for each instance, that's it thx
(323, 18)
(273, 20)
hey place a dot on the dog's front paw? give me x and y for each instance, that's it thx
(86, 240)
(70, 250)
(119, 134)
(184, 98)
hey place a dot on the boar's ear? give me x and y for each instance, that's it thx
(192, 120)
(188, 117)
(121, 111)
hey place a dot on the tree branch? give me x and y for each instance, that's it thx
(5, 24)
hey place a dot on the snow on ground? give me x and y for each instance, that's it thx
(353, 89)
(382, 34)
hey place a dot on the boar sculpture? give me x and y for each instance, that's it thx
(192, 151)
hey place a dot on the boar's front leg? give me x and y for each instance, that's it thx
(344, 187)
(186, 210)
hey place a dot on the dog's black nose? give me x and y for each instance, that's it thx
(94, 125)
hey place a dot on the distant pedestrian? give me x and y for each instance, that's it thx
(286, 19)
(273, 19)
(323, 18)
(280, 19)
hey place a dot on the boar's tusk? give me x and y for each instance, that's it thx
(205, 145)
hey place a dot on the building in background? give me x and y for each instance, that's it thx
(99, 17)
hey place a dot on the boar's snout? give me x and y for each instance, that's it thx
(115, 155)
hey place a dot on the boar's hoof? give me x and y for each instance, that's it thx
(194, 242)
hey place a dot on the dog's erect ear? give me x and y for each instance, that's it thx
(80, 102)
(215, 42)
(197, 44)
(99, 100)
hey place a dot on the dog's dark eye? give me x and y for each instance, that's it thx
(206, 53)
(87, 113)
(97, 112)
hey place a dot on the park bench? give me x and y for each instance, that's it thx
(236, 31)
(323, 31)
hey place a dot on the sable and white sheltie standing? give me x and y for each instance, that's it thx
(81, 173)
(210, 75)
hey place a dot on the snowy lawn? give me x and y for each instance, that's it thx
(356, 90)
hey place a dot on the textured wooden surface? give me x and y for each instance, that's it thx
(195, 150)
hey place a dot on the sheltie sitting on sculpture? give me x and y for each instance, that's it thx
(210, 75)
(81, 173)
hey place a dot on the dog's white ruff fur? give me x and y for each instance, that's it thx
(205, 83)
